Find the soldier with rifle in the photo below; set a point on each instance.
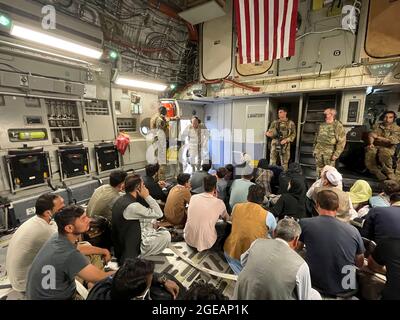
(283, 133)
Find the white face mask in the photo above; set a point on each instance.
(143, 296)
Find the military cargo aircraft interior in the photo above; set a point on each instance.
(199, 150)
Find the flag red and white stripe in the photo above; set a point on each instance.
(266, 29)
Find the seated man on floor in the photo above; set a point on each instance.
(133, 281)
(29, 239)
(320, 182)
(383, 222)
(222, 183)
(53, 271)
(178, 198)
(155, 188)
(103, 198)
(389, 187)
(134, 230)
(250, 221)
(204, 211)
(385, 259)
(197, 179)
(273, 270)
(240, 187)
(333, 248)
(331, 180)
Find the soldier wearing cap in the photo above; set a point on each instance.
(382, 141)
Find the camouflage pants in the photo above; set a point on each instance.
(323, 158)
(275, 154)
(96, 260)
(382, 168)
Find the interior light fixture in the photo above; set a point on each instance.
(29, 34)
(134, 83)
(5, 21)
(113, 55)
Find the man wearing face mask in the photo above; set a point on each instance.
(29, 239)
(329, 142)
(382, 142)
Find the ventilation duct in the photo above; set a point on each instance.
(201, 11)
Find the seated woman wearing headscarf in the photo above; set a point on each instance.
(294, 172)
(263, 176)
(359, 194)
(291, 203)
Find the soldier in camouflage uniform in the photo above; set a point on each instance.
(159, 124)
(382, 142)
(282, 132)
(329, 142)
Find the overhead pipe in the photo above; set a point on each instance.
(28, 95)
(167, 10)
(234, 83)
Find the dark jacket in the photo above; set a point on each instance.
(102, 289)
(154, 188)
(291, 203)
(126, 234)
(294, 173)
(382, 222)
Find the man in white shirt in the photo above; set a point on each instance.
(29, 239)
(273, 270)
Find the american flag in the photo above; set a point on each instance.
(266, 29)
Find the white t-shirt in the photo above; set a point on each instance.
(23, 247)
